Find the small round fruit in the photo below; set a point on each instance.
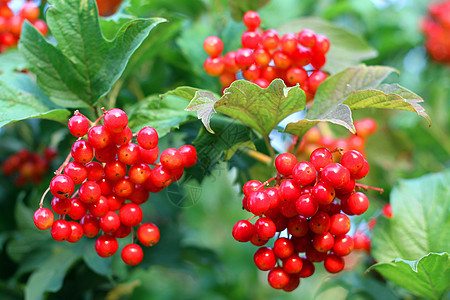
(43, 218)
(61, 230)
(62, 186)
(115, 120)
(132, 254)
(106, 245)
(243, 231)
(148, 234)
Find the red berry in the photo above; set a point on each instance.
(29, 11)
(90, 224)
(61, 230)
(171, 159)
(296, 75)
(289, 191)
(304, 173)
(244, 58)
(323, 242)
(320, 158)
(147, 138)
(95, 171)
(252, 186)
(189, 155)
(265, 228)
(294, 282)
(323, 193)
(76, 171)
(270, 39)
(320, 222)
(262, 57)
(106, 245)
(148, 234)
(43, 218)
(285, 162)
(214, 66)
(230, 62)
(90, 192)
(243, 231)
(130, 215)
(363, 172)
(265, 259)
(99, 208)
(62, 186)
(288, 43)
(281, 60)
(107, 154)
(122, 137)
(110, 222)
(278, 278)
(251, 20)
(160, 176)
(387, 211)
(99, 137)
(335, 175)
(250, 39)
(322, 44)
(361, 241)
(293, 264)
(283, 248)
(339, 224)
(307, 38)
(82, 152)
(115, 202)
(129, 154)
(358, 203)
(298, 226)
(213, 45)
(115, 170)
(122, 232)
(343, 245)
(258, 203)
(315, 79)
(353, 161)
(139, 173)
(61, 206)
(149, 156)
(132, 254)
(307, 269)
(78, 125)
(306, 206)
(77, 232)
(123, 187)
(333, 263)
(77, 209)
(116, 120)
(272, 194)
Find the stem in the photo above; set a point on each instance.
(41, 204)
(269, 147)
(112, 97)
(257, 155)
(297, 145)
(366, 187)
(98, 117)
(64, 164)
(251, 218)
(133, 237)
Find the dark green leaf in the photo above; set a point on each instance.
(420, 222)
(163, 115)
(16, 105)
(211, 147)
(428, 277)
(84, 65)
(346, 48)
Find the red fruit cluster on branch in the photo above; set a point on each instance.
(311, 200)
(11, 25)
(26, 166)
(315, 138)
(294, 57)
(106, 194)
(436, 27)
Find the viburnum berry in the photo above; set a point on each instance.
(43, 218)
(265, 259)
(129, 154)
(320, 222)
(333, 263)
(343, 245)
(304, 173)
(258, 203)
(148, 234)
(278, 278)
(121, 232)
(339, 224)
(213, 45)
(214, 66)
(99, 208)
(283, 248)
(353, 161)
(335, 175)
(320, 158)
(149, 156)
(387, 211)
(115, 120)
(132, 254)
(61, 230)
(306, 206)
(323, 242)
(77, 232)
(293, 264)
(122, 137)
(307, 269)
(90, 192)
(110, 222)
(323, 193)
(243, 231)
(94, 171)
(78, 125)
(251, 20)
(289, 191)
(90, 224)
(130, 214)
(298, 226)
(171, 159)
(147, 138)
(61, 206)
(106, 245)
(77, 209)
(358, 203)
(82, 152)
(62, 186)
(265, 228)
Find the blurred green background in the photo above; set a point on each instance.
(197, 257)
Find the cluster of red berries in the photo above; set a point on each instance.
(436, 27)
(314, 138)
(26, 166)
(112, 188)
(304, 201)
(11, 24)
(294, 57)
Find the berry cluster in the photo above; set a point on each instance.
(304, 201)
(111, 189)
(26, 166)
(314, 138)
(436, 27)
(294, 57)
(11, 25)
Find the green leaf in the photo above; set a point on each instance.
(261, 109)
(12, 60)
(420, 222)
(50, 275)
(203, 103)
(346, 48)
(211, 148)
(239, 7)
(163, 115)
(429, 276)
(83, 66)
(356, 88)
(16, 105)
